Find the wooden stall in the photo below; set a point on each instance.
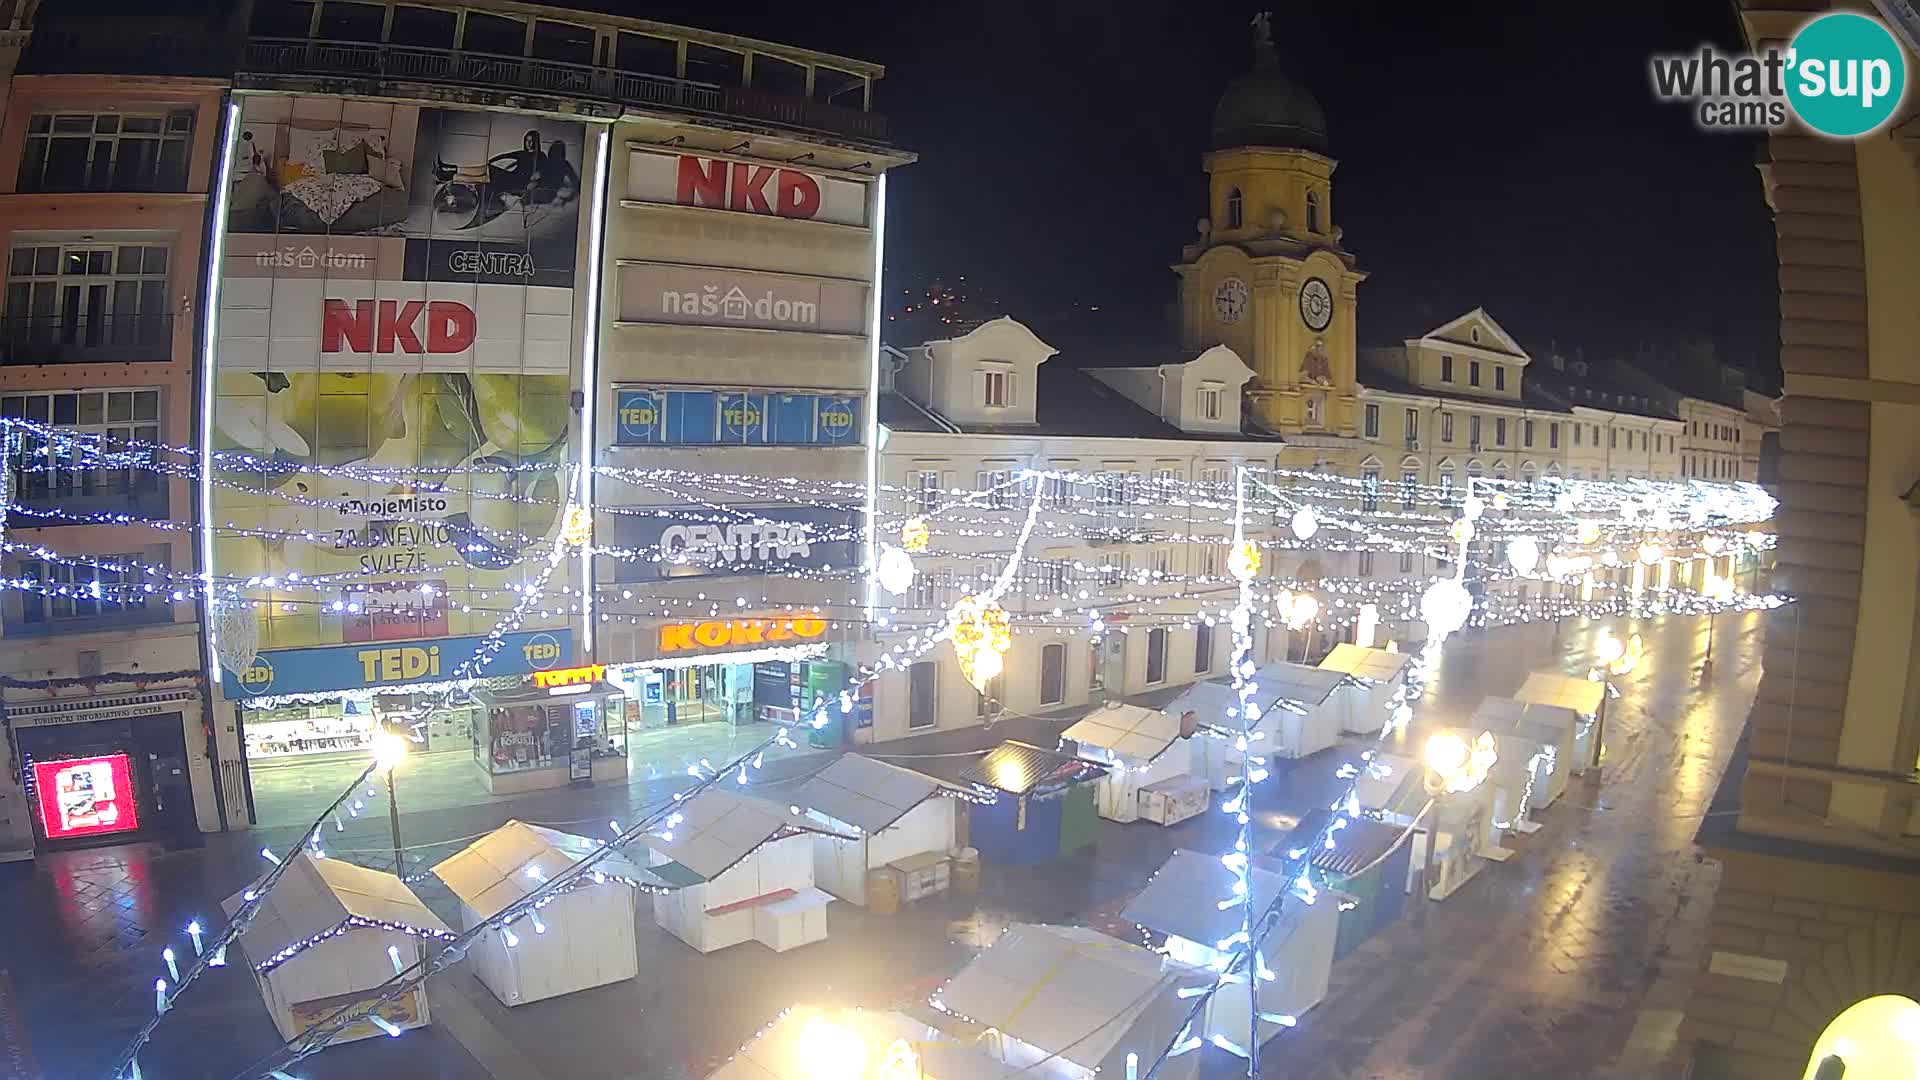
(1587, 698)
(1036, 804)
(1374, 678)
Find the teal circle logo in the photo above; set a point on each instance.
(1845, 74)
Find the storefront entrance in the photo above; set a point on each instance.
(108, 781)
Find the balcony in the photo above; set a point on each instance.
(85, 339)
(273, 57)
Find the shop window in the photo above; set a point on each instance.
(522, 737)
(1053, 674)
(643, 54)
(721, 67)
(52, 475)
(422, 27)
(1203, 649)
(922, 703)
(495, 34)
(115, 151)
(1156, 656)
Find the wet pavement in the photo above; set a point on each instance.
(1571, 959)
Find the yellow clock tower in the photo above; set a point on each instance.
(1267, 275)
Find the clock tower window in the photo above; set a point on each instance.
(1313, 211)
(1236, 209)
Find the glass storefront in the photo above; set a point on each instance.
(717, 693)
(345, 728)
(580, 734)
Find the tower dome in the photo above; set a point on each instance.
(1265, 108)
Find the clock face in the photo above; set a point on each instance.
(1316, 304)
(1230, 300)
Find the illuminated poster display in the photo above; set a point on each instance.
(90, 796)
(397, 294)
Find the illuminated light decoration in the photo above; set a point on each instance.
(209, 340)
(160, 1003)
(576, 529)
(1461, 531)
(194, 931)
(589, 377)
(1500, 500)
(1619, 657)
(981, 637)
(1304, 524)
(173, 968)
(1650, 553)
(1300, 610)
(1523, 554)
(914, 534)
(389, 749)
(1718, 588)
(1586, 531)
(1444, 607)
(1454, 766)
(828, 1051)
(1877, 1038)
(1565, 499)
(871, 496)
(1244, 561)
(895, 571)
(1367, 625)
(1472, 507)
(1713, 543)
(392, 1029)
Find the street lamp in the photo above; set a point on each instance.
(389, 750)
(1719, 590)
(1453, 765)
(1616, 658)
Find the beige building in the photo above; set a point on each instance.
(1815, 825)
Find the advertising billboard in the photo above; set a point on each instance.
(704, 417)
(90, 796)
(708, 296)
(763, 540)
(745, 187)
(397, 335)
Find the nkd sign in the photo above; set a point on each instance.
(745, 187)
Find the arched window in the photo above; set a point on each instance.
(1527, 473)
(1236, 208)
(1313, 211)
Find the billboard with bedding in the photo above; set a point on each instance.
(397, 337)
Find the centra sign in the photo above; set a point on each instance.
(732, 633)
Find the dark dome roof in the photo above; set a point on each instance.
(1265, 108)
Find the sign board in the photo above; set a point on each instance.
(707, 296)
(361, 667)
(573, 676)
(91, 796)
(648, 416)
(770, 539)
(744, 187)
(739, 633)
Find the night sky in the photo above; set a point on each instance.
(1506, 155)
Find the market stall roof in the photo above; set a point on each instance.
(1128, 730)
(718, 828)
(1284, 680)
(318, 896)
(1390, 783)
(788, 1048)
(1576, 692)
(1374, 665)
(1077, 994)
(1207, 701)
(1358, 844)
(1526, 719)
(1018, 768)
(502, 867)
(1183, 897)
(867, 794)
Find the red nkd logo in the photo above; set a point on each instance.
(739, 186)
(385, 326)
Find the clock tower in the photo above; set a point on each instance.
(1267, 275)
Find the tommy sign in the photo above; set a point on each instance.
(697, 296)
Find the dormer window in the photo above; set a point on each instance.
(1236, 209)
(1207, 401)
(996, 388)
(1313, 211)
(1473, 334)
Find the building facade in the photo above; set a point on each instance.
(106, 162)
(1814, 825)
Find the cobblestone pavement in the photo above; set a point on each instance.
(1569, 960)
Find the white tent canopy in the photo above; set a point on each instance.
(1079, 996)
(1392, 785)
(865, 1045)
(1546, 728)
(1586, 697)
(511, 862)
(868, 794)
(1365, 701)
(1183, 897)
(316, 897)
(896, 813)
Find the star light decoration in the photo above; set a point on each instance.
(1244, 562)
(1454, 766)
(981, 637)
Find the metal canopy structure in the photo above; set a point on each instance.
(788, 1049)
(1581, 694)
(315, 897)
(1019, 768)
(1129, 731)
(506, 865)
(1373, 665)
(719, 828)
(1284, 680)
(1183, 897)
(1077, 994)
(870, 795)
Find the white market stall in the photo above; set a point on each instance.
(1587, 698)
(808, 1043)
(1182, 901)
(1375, 676)
(1070, 1003)
(1150, 752)
(1393, 788)
(327, 936)
(742, 870)
(582, 937)
(1297, 708)
(893, 814)
(1549, 730)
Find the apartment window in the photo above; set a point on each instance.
(1406, 562)
(80, 580)
(1446, 482)
(1413, 426)
(106, 152)
(1499, 377)
(1161, 560)
(1373, 421)
(1526, 432)
(1553, 437)
(1236, 209)
(1446, 427)
(926, 491)
(988, 702)
(1207, 556)
(1055, 493)
(87, 297)
(1167, 484)
(1613, 438)
(1202, 649)
(1577, 429)
(1313, 211)
(1156, 655)
(1499, 431)
(1208, 401)
(1366, 562)
(1473, 373)
(1370, 489)
(1596, 435)
(1409, 486)
(996, 389)
(1473, 430)
(998, 485)
(1446, 369)
(1213, 475)
(1056, 577)
(1053, 674)
(43, 472)
(923, 680)
(1113, 568)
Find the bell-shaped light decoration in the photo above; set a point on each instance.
(1445, 607)
(982, 634)
(1304, 524)
(1523, 554)
(1244, 561)
(895, 572)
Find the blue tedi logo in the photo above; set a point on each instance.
(1843, 75)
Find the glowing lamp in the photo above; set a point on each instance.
(982, 635)
(1304, 524)
(389, 749)
(1461, 530)
(1650, 553)
(1473, 506)
(1300, 610)
(1454, 765)
(1713, 543)
(1874, 1039)
(1445, 606)
(1244, 562)
(828, 1051)
(1366, 625)
(1523, 554)
(1718, 589)
(1587, 531)
(576, 527)
(895, 571)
